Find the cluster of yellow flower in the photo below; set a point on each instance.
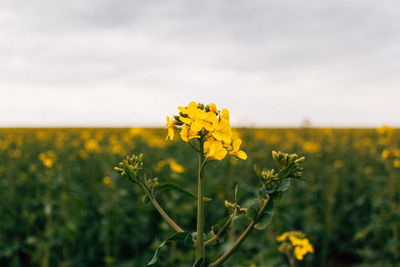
(47, 158)
(301, 244)
(210, 125)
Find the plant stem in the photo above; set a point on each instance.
(161, 211)
(200, 205)
(217, 235)
(242, 237)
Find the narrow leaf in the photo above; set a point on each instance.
(179, 237)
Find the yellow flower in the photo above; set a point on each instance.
(214, 150)
(187, 134)
(282, 237)
(107, 180)
(385, 154)
(222, 131)
(175, 167)
(47, 158)
(170, 128)
(300, 243)
(236, 150)
(396, 163)
(92, 145)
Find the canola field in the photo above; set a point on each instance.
(62, 204)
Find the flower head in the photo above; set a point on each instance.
(297, 240)
(209, 125)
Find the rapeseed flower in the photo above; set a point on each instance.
(209, 125)
(300, 244)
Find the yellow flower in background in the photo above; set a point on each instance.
(311, 147)
(385, 130)
(92, 145)
(173, 165)
(300, 244)
(107, 180)
(396, 163)
(236, 150)
(47, 158)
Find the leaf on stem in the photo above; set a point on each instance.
(179, 237)
(266, 217)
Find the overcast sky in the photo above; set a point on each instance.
(131, 63)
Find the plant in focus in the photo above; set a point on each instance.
(207, 130)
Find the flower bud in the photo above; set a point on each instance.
(275, 155)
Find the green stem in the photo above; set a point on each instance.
(241, 238)
(161, 211)
(200, 205)
(219, 233)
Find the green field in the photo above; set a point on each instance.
(62, 204)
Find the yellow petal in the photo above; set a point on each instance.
(192, 105)
(185, 120)
(184, 133)
(183, 110)
(196, 126)
(236, 144)
(242, 155)
(225, 114)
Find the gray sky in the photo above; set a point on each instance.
(271, 63)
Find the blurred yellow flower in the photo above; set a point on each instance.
(173, 165)
(300, 243)
(47, 158)
(385, 130)
(92, 145)
(107, 180)
(396, 163)
(311, 147)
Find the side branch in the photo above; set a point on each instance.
(241, 238)
(161, 211)
(219, 233)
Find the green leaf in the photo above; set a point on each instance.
(284, 185)
(218, 226)
(199, 263)
(266, 218)
(170, 186)
(179, 237)
(253, 210)
(189, 240)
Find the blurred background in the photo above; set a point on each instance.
(85, 83)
